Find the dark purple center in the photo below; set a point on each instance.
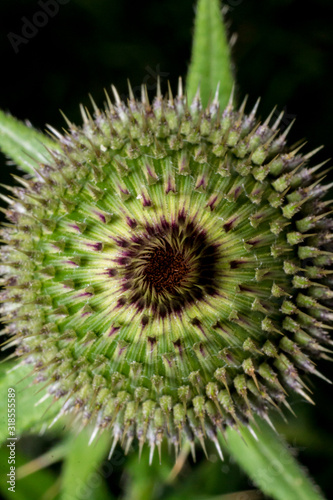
(168, 266)
(166, 269)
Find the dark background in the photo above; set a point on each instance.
(284, 53)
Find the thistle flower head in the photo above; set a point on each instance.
(167, 272)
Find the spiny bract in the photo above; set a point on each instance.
(167, 272)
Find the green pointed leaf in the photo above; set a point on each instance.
(84, 471)
(32, 486)
(271, 465)
(28, 417)
(23, 144)
(210, 63)
(145, 478)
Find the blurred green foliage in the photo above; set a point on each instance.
(283, 54)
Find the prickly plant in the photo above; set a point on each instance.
(167, 271)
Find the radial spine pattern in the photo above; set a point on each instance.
(167, 273)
